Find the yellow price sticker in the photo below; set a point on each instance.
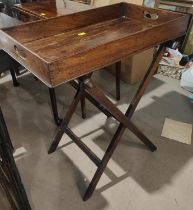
(81, 34)
(42, 14)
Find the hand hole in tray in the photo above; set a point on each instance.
(149, 15)
(18, 53)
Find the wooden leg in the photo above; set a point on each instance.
(81, 145)
(97, 95)
(65, 121)
(117, 137)
(98, 105)
(54, 106)
(14, 79)
(118, 79)
(142, 137)
(87, 89)
(57, 119)
(91, 99)
(145, 81)
(83, 107)
(111, 148)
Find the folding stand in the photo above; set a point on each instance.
(52, 94)
(86, 88)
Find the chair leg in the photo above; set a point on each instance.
(14, 79)
(118, 79)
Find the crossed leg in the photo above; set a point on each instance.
(96, 96)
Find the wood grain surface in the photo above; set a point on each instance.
(60, 49)
(49, 8)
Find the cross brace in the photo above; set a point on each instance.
(86, 88)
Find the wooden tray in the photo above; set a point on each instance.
(60, 49)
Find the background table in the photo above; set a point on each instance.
(47, 9)
(6, 62)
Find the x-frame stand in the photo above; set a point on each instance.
(53, 100)
(86, 88)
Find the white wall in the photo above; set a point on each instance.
(107, 2)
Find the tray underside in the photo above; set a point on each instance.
(63, 48)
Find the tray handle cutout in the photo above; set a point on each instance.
(18, 53)
(150, 16)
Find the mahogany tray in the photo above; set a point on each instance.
(60, 49)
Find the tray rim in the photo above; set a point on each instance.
(22, 44)
(55, 60)
(48, 64)
(96, 8)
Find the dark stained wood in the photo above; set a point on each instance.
(82, 146)
(120, 131)
(68, 47)
(58, 54)
(54, 106)
(83, 108)
(118, 79)
(87, 88)
(48, 9)
(66, 120)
